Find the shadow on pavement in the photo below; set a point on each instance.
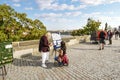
(26, 62)
(32, 61)
(83, 49)
(118, 51)
(89, 43)
(111, 46)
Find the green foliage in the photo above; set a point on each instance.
(15, 26)
(1, 20)
(91, 26)
(77, 32)
(15, 38)
(3, 37)
(35, 33)
(74, 33)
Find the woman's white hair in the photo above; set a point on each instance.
(48, 34)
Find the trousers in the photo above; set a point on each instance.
(45, 56)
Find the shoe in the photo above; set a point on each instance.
(66, 64)
(60, 64)
(102, 48)
(44, 66)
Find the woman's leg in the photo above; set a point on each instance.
(47, 58)
(44, 56)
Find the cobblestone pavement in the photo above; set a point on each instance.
(86, 62)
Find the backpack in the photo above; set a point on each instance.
(102, 34)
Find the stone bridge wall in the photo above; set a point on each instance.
(31, 47)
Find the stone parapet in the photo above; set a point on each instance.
(31, 47)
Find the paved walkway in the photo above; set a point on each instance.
(86, 63)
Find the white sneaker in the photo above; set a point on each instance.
(43, 65)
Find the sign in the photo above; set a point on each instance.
(56, 40)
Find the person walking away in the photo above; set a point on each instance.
(102, 36)
(110, 34)
(44, 48)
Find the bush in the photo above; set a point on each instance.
(3, 37)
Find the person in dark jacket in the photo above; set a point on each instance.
(116, 34)
(110, 34)
(44, 48)
(102, 36)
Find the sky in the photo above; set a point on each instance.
(68, 14)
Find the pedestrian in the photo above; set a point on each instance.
(44, 48)
(102, 36)
(116, 34)
(119, 34)
(110, 34)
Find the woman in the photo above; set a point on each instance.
(62, 57)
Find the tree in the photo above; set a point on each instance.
(78, 32)
(13, 25)
(38, 24)
(3, 36)
(1, 20)
(91, 26)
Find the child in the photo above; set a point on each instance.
(62, 58)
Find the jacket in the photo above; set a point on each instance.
(43, 44)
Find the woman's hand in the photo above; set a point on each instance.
(50, 44)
